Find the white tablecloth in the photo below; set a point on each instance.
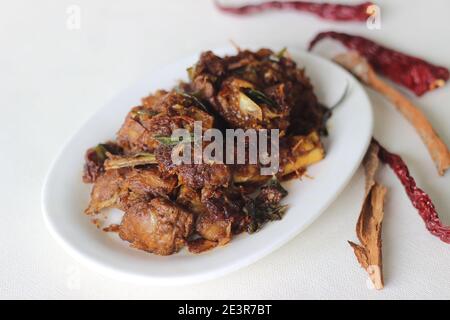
(54, 77)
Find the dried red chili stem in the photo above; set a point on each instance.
(419, 198)
(328, 11)
(411, 72)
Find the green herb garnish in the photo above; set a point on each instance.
(261, 209)
(138, 159)
(172, 140)
(196, 100)
(259, 97)
(277, 56)
(100, 151)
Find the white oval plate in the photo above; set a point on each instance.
(64, 196)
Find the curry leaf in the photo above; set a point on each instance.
(196, 100)
(259, 97)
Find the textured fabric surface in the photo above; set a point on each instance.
(54, 78)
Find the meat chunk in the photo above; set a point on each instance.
(152, 102)
(201, 245)
(132, 136)
(213, 228)
(198, 176)
(222, 202)
(106, 191)
(244, 106)
(158, 226)
(195, 176)
(225, 215)
(191, 199)
(150, 181)
(123, 187)
(160, 116)
(258, 90)
(308, 115)
(142, 128)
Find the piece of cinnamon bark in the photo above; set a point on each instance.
(438, 150)
(369, 225)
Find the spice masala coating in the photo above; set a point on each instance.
(168, 206)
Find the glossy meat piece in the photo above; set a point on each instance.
(198, 176)
(225, 215)
(195, 176)
(132, 136)
(201, 245)
(152, 102)
(212, 228)
(106, 191)
(217, 215)
(160, 116)
(150, 181)
(121, 188)
(241, 106)
(237, 85)
(191, 199)
(167, 101)
(158, 226)
(222, 202)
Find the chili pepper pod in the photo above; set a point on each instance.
(419, 198)
(328, 11)
(411, 72)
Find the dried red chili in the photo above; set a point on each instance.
(420, 200)
(328, 11)
(414, 73)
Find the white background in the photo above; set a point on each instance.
(52, 79)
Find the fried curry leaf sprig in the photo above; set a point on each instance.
(196, 100)
(259, 97)
(266, 206)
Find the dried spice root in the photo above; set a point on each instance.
(438, 150)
